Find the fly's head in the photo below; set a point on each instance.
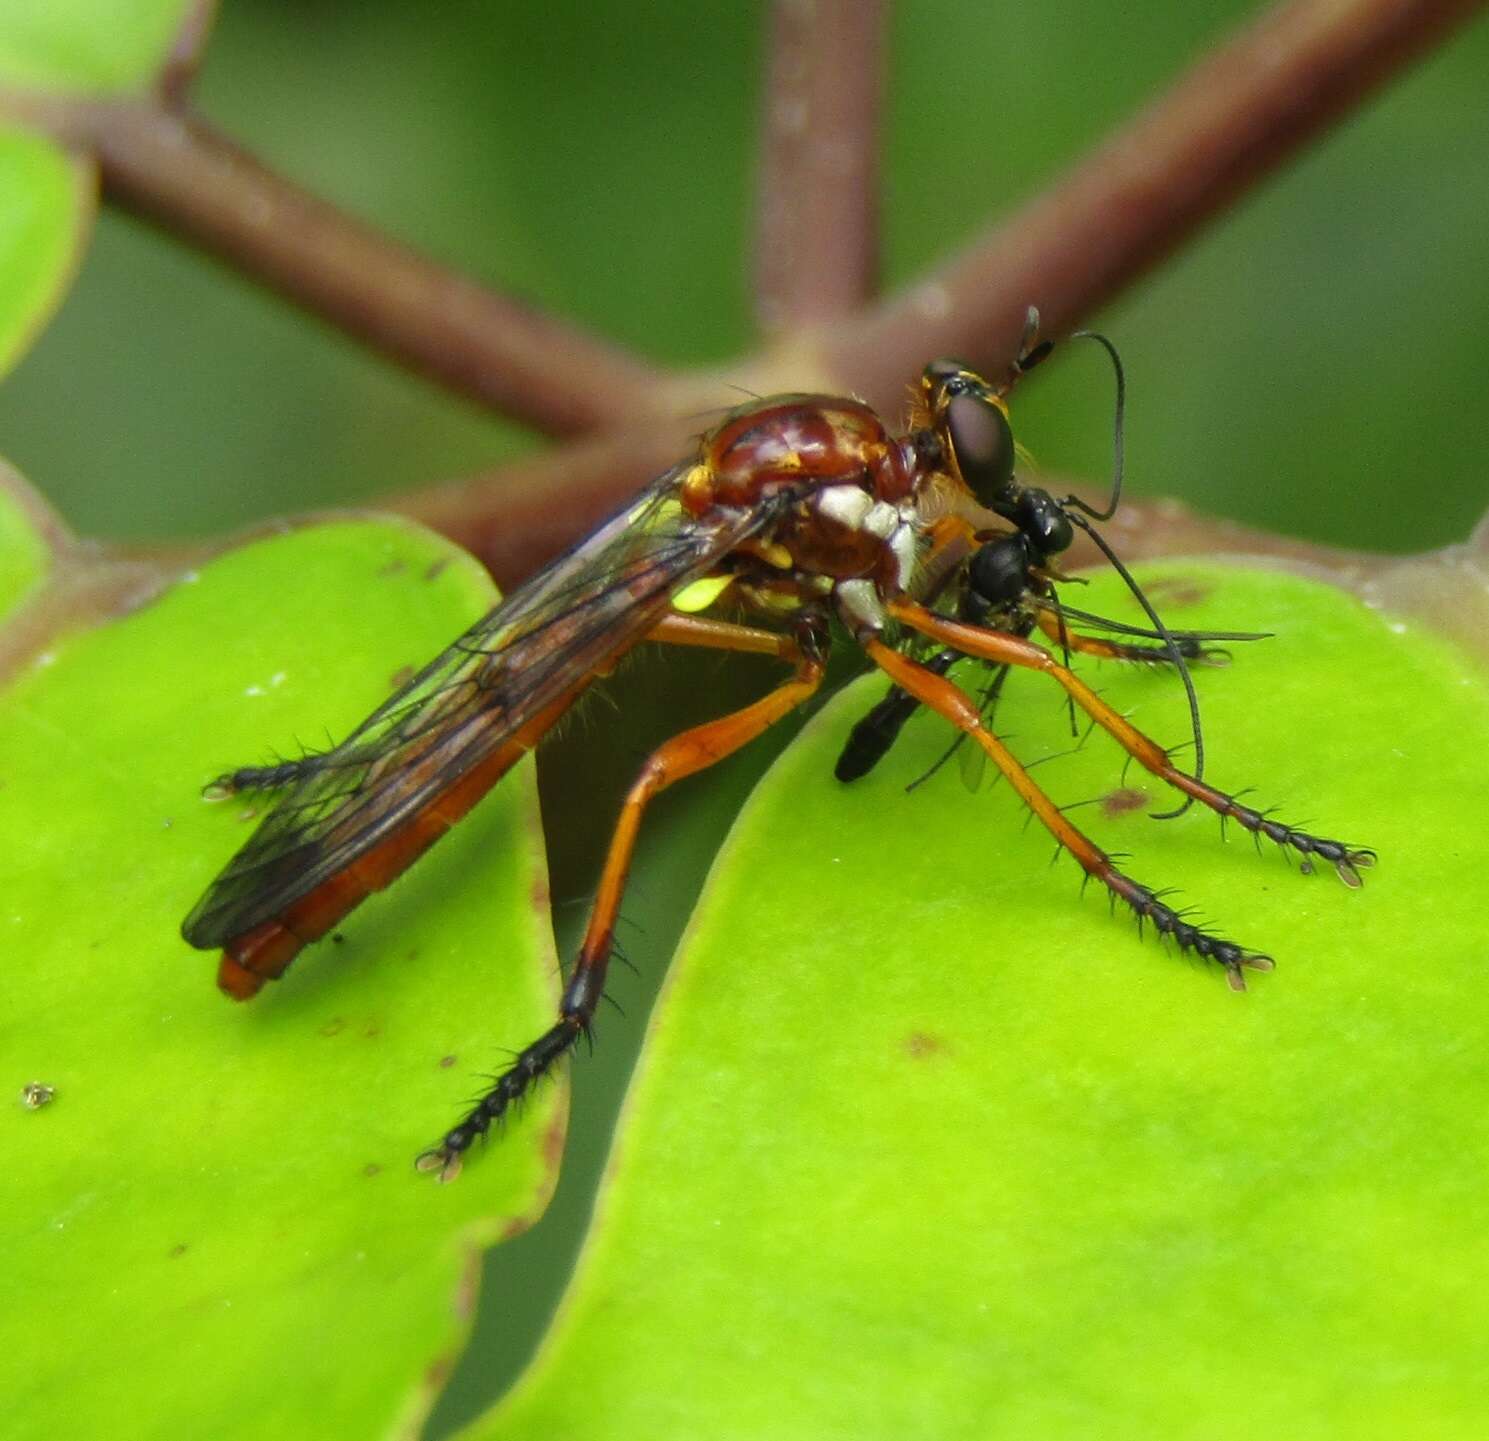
(969, 417)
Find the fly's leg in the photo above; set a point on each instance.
(870, 739)
(951, 702)
(685, 754)
(1004, 649)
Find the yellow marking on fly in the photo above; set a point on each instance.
(697, 488)
(700, 594)
(772, 552)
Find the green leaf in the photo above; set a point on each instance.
(25, 544)
(926, 1143)
(215, 1227)
(46, 211)
(90, 46)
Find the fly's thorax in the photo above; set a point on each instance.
(803, 442)
(844, 533)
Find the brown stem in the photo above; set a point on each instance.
(1233, 118)
(185, 56)
(512, 519)
(173, 170)
(817, 247)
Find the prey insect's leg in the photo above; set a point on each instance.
(961, 710)
(1103, 649)
(1007, 649)
(871, 737)
(691, 751)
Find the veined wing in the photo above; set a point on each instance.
(536, 646)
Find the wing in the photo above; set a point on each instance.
(542, 641)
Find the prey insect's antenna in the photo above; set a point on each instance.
(1117, 432)
(1174, 652)
(1077, 511)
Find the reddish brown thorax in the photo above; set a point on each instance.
(790, 438)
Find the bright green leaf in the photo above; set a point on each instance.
(25, 548)
(926, 1143)
(215, 1227)
(93, 46)
(46, 208)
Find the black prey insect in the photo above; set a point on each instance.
(794, 511)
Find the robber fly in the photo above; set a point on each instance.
(795, 510)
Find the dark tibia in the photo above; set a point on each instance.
(1348, 861)
(263, 778)
(531, 1065)
(1147, 906)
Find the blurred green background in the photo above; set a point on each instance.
(1313, 364)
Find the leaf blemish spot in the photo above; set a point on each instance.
(920, 1044)
(1178, 590)
(1122, 801)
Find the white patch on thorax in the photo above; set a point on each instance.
(858, 604)
(902, 543)
(846, 504)
(882, 519)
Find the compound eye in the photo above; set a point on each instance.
(981, 442)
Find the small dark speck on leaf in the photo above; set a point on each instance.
(337, 939)
(179, 1249)
(553, 1143)
(372, 1030)
(1122, 800)
(437, 568)
(1177, 590)
(468, 1292)
(393, 567)
(334, 1026)
(445, 1062)
(371, 1169)
(401, 677)
(36, 1094)
(920, 1044)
